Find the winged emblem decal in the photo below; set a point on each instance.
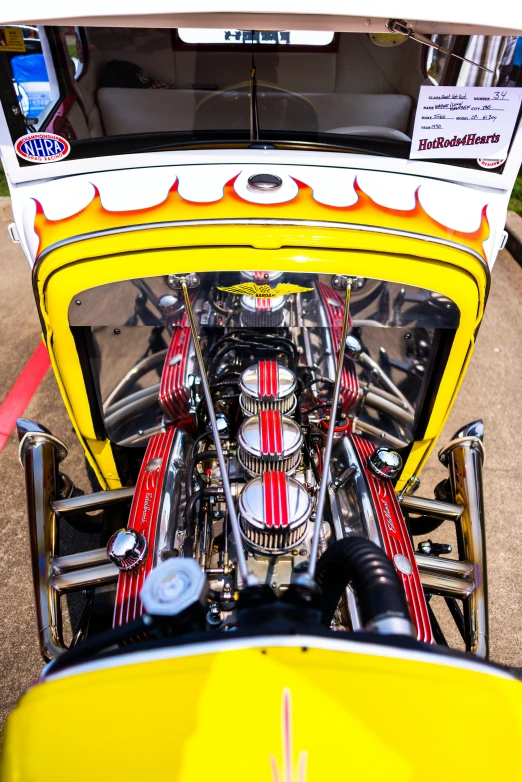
(264, 291)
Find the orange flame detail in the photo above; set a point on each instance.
(365, 211)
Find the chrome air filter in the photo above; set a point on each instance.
(267, 386)
(262, 313)
(262, 278)
(269, 441)
(274, 511)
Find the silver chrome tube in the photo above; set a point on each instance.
(127, 400)
(435, 508)
(246, 577)
(40, 461)
(464, 457)
(325, 478)
(381, 403)
(448, 586)
(368, 362)
(442, 566)
(127, 410)
(385, 395)
(86, 578)
(134, 374)
(84, 559)
(375, 431)
(88, 502)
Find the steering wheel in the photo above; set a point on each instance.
(278, 109)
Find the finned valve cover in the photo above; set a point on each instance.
(270, 441)
(274, 509)
(267, 385)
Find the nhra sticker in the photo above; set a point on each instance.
(42, 147)
(264, 291)
(491, 162)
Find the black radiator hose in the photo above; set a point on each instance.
(358, 562)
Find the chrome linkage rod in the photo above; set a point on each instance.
(192, 281)
(339, 282)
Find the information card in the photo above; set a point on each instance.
(458, 122)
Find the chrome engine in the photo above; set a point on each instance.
(274, 434)
(271, 373)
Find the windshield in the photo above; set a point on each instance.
(111, 91)
(134, 342)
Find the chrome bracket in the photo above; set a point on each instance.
(340, 282)
(175, 281)
(31, 439)
(411, 485)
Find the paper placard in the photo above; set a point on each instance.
(459, 122)
(11, 39)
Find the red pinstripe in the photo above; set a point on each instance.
(271, 430)
(275, 499)
(268, 379)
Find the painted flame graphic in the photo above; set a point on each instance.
(286, 774)
(365, 211)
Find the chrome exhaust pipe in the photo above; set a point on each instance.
(40, 454)
(464, 457)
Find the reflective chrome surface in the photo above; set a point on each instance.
(435, 508)
(448, 586)
(256, 460)
(385, 463)
(254, 515)
(264, 182)
(440, 566)
(127, 549)
(261, 276)
(246, 577)
(84, 559)
(171, 533)
(40, 461)
(325, 479)
(86, 578)
(251, 400)
(464, 456)
(88, 502)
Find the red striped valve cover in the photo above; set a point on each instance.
(144, 514)
(334, 303)
(396, 539)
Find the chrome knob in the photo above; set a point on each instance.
(264, 182)
(385, 463)
(353, 347)
(127, 548)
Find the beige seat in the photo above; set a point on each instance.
(144, 111)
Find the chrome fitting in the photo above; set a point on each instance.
(385, 463)
(127, 549)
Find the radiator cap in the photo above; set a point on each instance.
(173, 586)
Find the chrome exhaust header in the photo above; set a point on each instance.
(464, 457)
(40, 454)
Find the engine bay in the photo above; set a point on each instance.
(269, 344)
